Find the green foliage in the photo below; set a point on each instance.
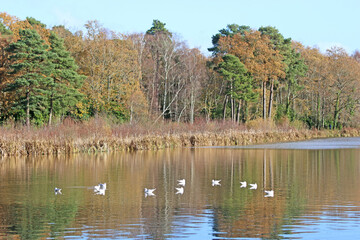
(158, 27)
(29, 62)
(65, 81)
(230, 30)
(240, 83)
(4, 30)
(34, 22)
(45, 82)
(295, 67)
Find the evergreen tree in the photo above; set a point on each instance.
(34, 22)
(230, 30)
(4, 30)
(65, 81)
(239, 82)
(295, 66)
(158, 27)
(28, 64)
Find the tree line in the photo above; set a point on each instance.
(49, 74)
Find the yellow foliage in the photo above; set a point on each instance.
(15, 24)
(112, 69)
(261, 124)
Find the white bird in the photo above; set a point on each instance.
(269, 193)
(253, 186)
(243, 184)
(180, 190)
(57, 191)
(149, 191)
(100, 186)
(215, 182)
(181, 182)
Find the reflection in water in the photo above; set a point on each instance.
(316, 194)
(215, 182)
(180, 190)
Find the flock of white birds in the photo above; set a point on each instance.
(214, 182)
(101, 188)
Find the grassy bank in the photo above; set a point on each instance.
(100, 136)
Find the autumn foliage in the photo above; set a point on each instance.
(154, 76)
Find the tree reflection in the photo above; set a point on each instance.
(305, 182)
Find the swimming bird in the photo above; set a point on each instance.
(269, 193)
(215, 182)
(57, 191)
(181, 182)
(149, 191)
(180, 190)
(100, 186)
(253, 186)
(243, 184)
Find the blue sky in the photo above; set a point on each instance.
(312, 22)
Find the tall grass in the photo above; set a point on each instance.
(101, 134)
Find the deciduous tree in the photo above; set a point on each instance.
(256, 52)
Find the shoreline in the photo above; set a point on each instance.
(54, 146)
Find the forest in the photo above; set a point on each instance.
(51, 74)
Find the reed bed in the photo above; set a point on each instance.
(98, 135)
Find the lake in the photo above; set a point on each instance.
(315, 184)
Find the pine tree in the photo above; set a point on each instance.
(239, 83)
(28, 64)
(65, 81)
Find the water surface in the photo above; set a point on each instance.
(316, 194)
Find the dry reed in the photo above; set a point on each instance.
(99, 135)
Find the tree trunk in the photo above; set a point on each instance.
(287, 108)
(336, 111)
(157, 83)
(318, 112)
(224, 110)
(51, 112)
(232, 103)
(245, 111)
(323, 112)
(28, 109)
(271, 97)
(232, 109)
(264, 99)
(238, 112)
(131, 113)
(192, 106)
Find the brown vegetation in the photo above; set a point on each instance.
(98, 135)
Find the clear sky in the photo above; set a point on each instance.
(321, 23)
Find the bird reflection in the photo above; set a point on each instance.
(180, 190)
(269, 193)
(100, 192)
(150, 194)
(243, 184)
(215, 182)
(253, 185)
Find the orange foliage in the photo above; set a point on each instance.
(15, 24)
(256, 52)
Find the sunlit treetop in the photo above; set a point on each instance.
(158, 27)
